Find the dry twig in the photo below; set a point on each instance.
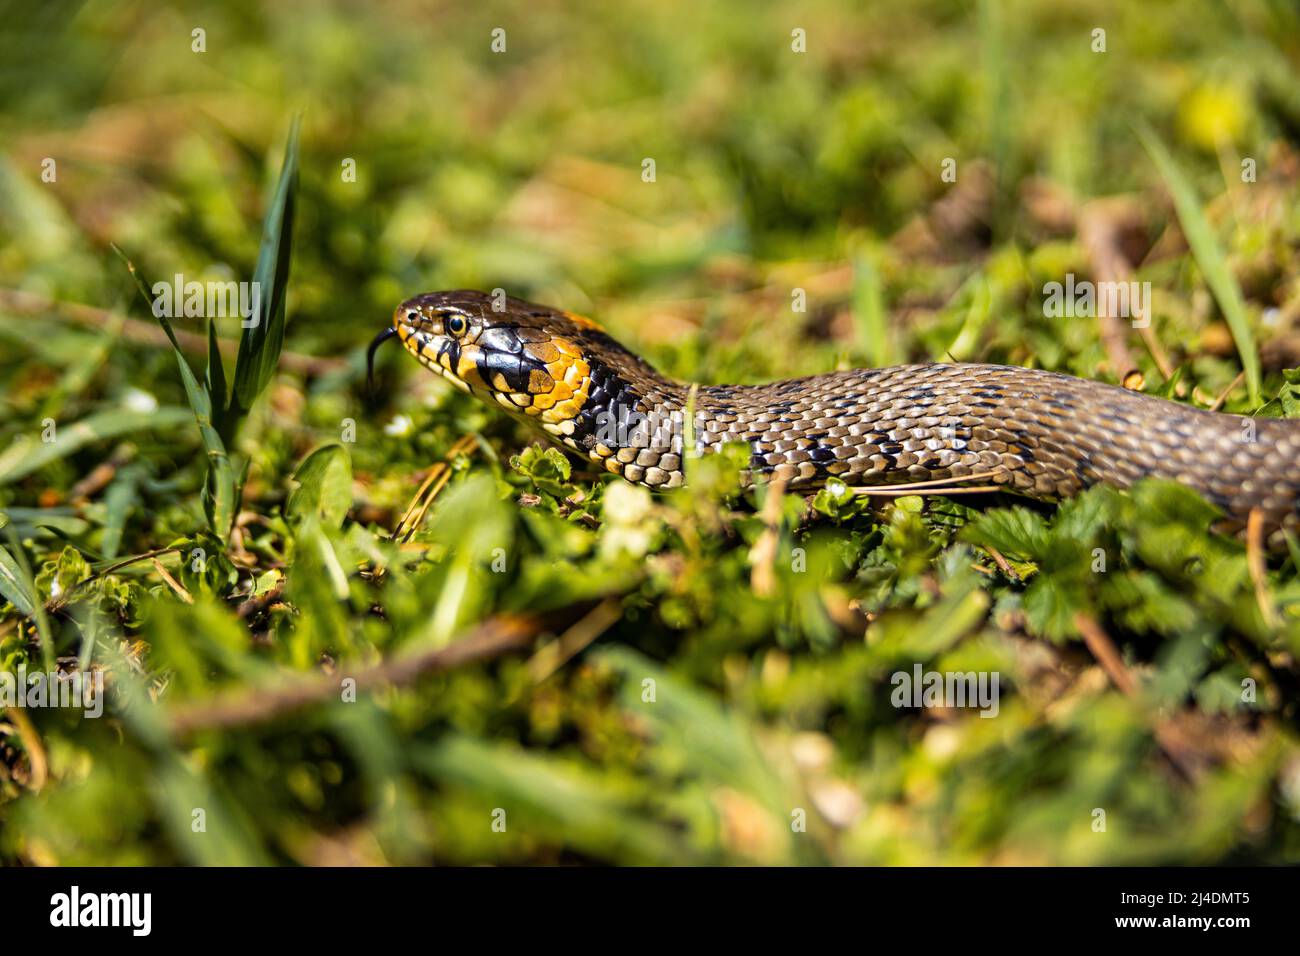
(494, 637)
(144, 333)
(1172, 741)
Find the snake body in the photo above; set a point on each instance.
(1042, 434)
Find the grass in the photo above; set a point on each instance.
(549, 666)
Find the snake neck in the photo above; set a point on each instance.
(633, 419)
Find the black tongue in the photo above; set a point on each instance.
(380, 339)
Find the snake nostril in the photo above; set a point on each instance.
(412, 316)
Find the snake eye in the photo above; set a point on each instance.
(455, 324)
(412, 316)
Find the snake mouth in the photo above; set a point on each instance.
(379, 340)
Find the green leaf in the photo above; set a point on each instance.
(1169, 388)
(548, 468)
(1016, 532)
(324, 485)
(1220, 692)
(1084, 517)
(1286, 404)
(835, 499)
(13, 585)
(903, 634)
(1208, 256)
(1161, 501)
(1142, 602)
(1050, 604)
(259, 346)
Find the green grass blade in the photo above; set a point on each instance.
(29, 452)
(194, 391)
(871, 329)
(219, 487)
(121, 498)
(579, 809)
(13, 585)
(17, 575)
(259, 346)
(215, 379)
(1209, 257)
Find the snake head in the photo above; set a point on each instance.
(441, 329)
(527, 358)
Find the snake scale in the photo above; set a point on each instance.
(1042, 434)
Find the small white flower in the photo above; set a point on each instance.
(627, 504)
(400, 425)
(140, 401)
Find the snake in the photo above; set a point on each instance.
(1037, 433)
